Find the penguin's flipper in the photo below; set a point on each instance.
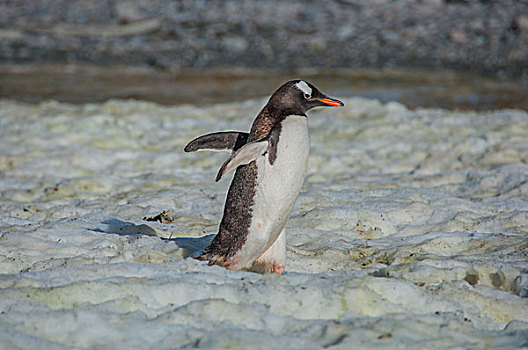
(229, 141)
(245, 155)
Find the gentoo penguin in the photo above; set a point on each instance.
(270, 163)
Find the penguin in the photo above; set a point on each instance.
(270, 164)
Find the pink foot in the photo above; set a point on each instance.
(265, 266)
(278, 269)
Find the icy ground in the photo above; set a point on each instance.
(411, 231)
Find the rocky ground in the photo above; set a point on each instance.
(484, 36)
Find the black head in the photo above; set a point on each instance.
(299, 96)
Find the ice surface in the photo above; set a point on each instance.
(411, 231)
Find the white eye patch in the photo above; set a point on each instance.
(304, 88)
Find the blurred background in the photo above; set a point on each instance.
(460, 54)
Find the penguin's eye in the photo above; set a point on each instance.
(307, 96)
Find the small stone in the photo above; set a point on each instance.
(11, 34)
(127, 12)
(477, 25)
(520, 285)
(458, 36)
(497, 279)
(522, 23)
(472, 278)
(235, 43)
(346, 32)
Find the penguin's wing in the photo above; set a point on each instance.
(229, 141)
(245, 155)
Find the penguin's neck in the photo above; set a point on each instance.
(268, 117)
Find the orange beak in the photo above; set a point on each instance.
(331, 102)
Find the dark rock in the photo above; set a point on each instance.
(520, 285)
(497, 279)
(472, 278)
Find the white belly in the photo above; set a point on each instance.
(278, 186)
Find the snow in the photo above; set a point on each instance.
(411, 231)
